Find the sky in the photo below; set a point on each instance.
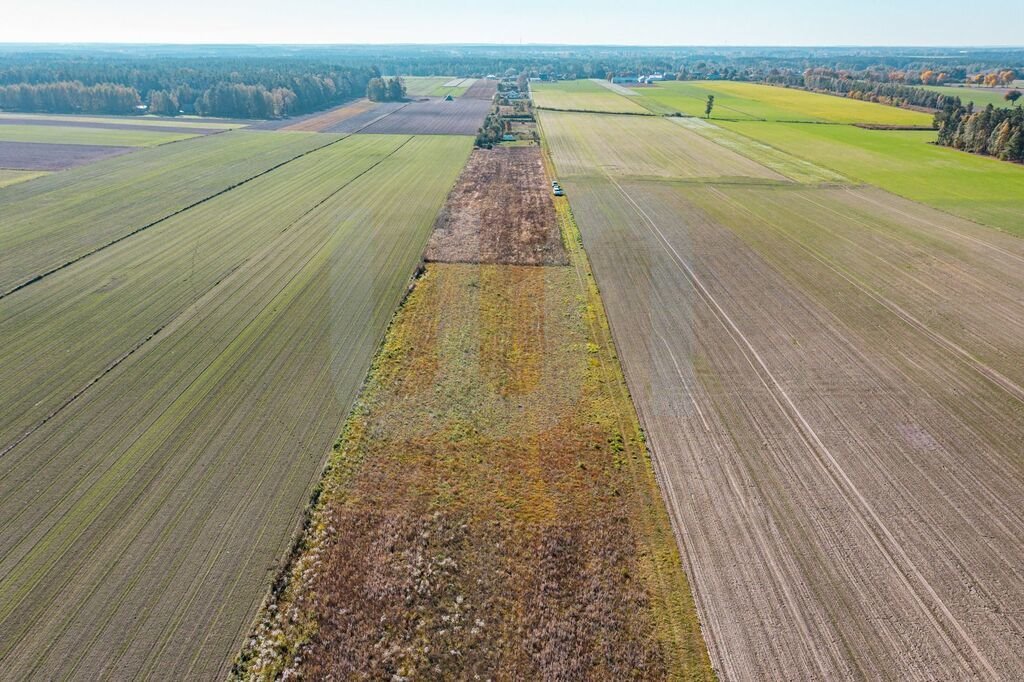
(657, 22)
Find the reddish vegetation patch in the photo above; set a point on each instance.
(52, 157)
(320, 122)
(482, 88)
(499, 212)
(354, 124)
(490, 511)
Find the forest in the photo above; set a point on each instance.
(247, 87)
(992, 131)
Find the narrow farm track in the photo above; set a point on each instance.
(830, 381)
(142, 523)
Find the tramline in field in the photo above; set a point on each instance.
(810, 360)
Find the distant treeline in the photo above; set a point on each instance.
(103, 98)
(241, 88)
(992, 131)
(270, 81)
(827, 80)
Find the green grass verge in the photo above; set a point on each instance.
(12, 177)
(142, 121)
(78, 135)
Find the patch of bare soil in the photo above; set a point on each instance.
(52, 157)
(499, 212)
(481, 89)
(432, 116)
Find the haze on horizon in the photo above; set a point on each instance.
(577, 22)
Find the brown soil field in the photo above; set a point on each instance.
(482, 88)
(500, 211)
(321, 122)
(490, 509)
(52, 157)
(434, 117)
(831, 381)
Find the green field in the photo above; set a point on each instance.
(582, 95)
(424, 86)
(141, 121)
(215, 357)
(53, 220)
(453, 86)
(80, 135)
(981, 97)
(12, 177)
(755, 102)
(981, 188)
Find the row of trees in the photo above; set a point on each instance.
(992, 79)
(895, 94)
(385, 90)
(992, 131)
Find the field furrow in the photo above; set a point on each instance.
(152, 510)
(140, 285)
(60, 218)
(831, 382)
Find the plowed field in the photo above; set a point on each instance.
(832, 381)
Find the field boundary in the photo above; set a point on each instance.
(591, 111)
(576, 249)
(286, 562)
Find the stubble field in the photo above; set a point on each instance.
(582, 95)
(830, 378)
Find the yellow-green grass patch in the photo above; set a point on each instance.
(12, 177)
(752, 101)
(96, 136)
(980, 188)
(582, 95)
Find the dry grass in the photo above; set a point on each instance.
(490, 509)
(500, 211)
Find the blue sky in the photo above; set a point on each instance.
(661, 22)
